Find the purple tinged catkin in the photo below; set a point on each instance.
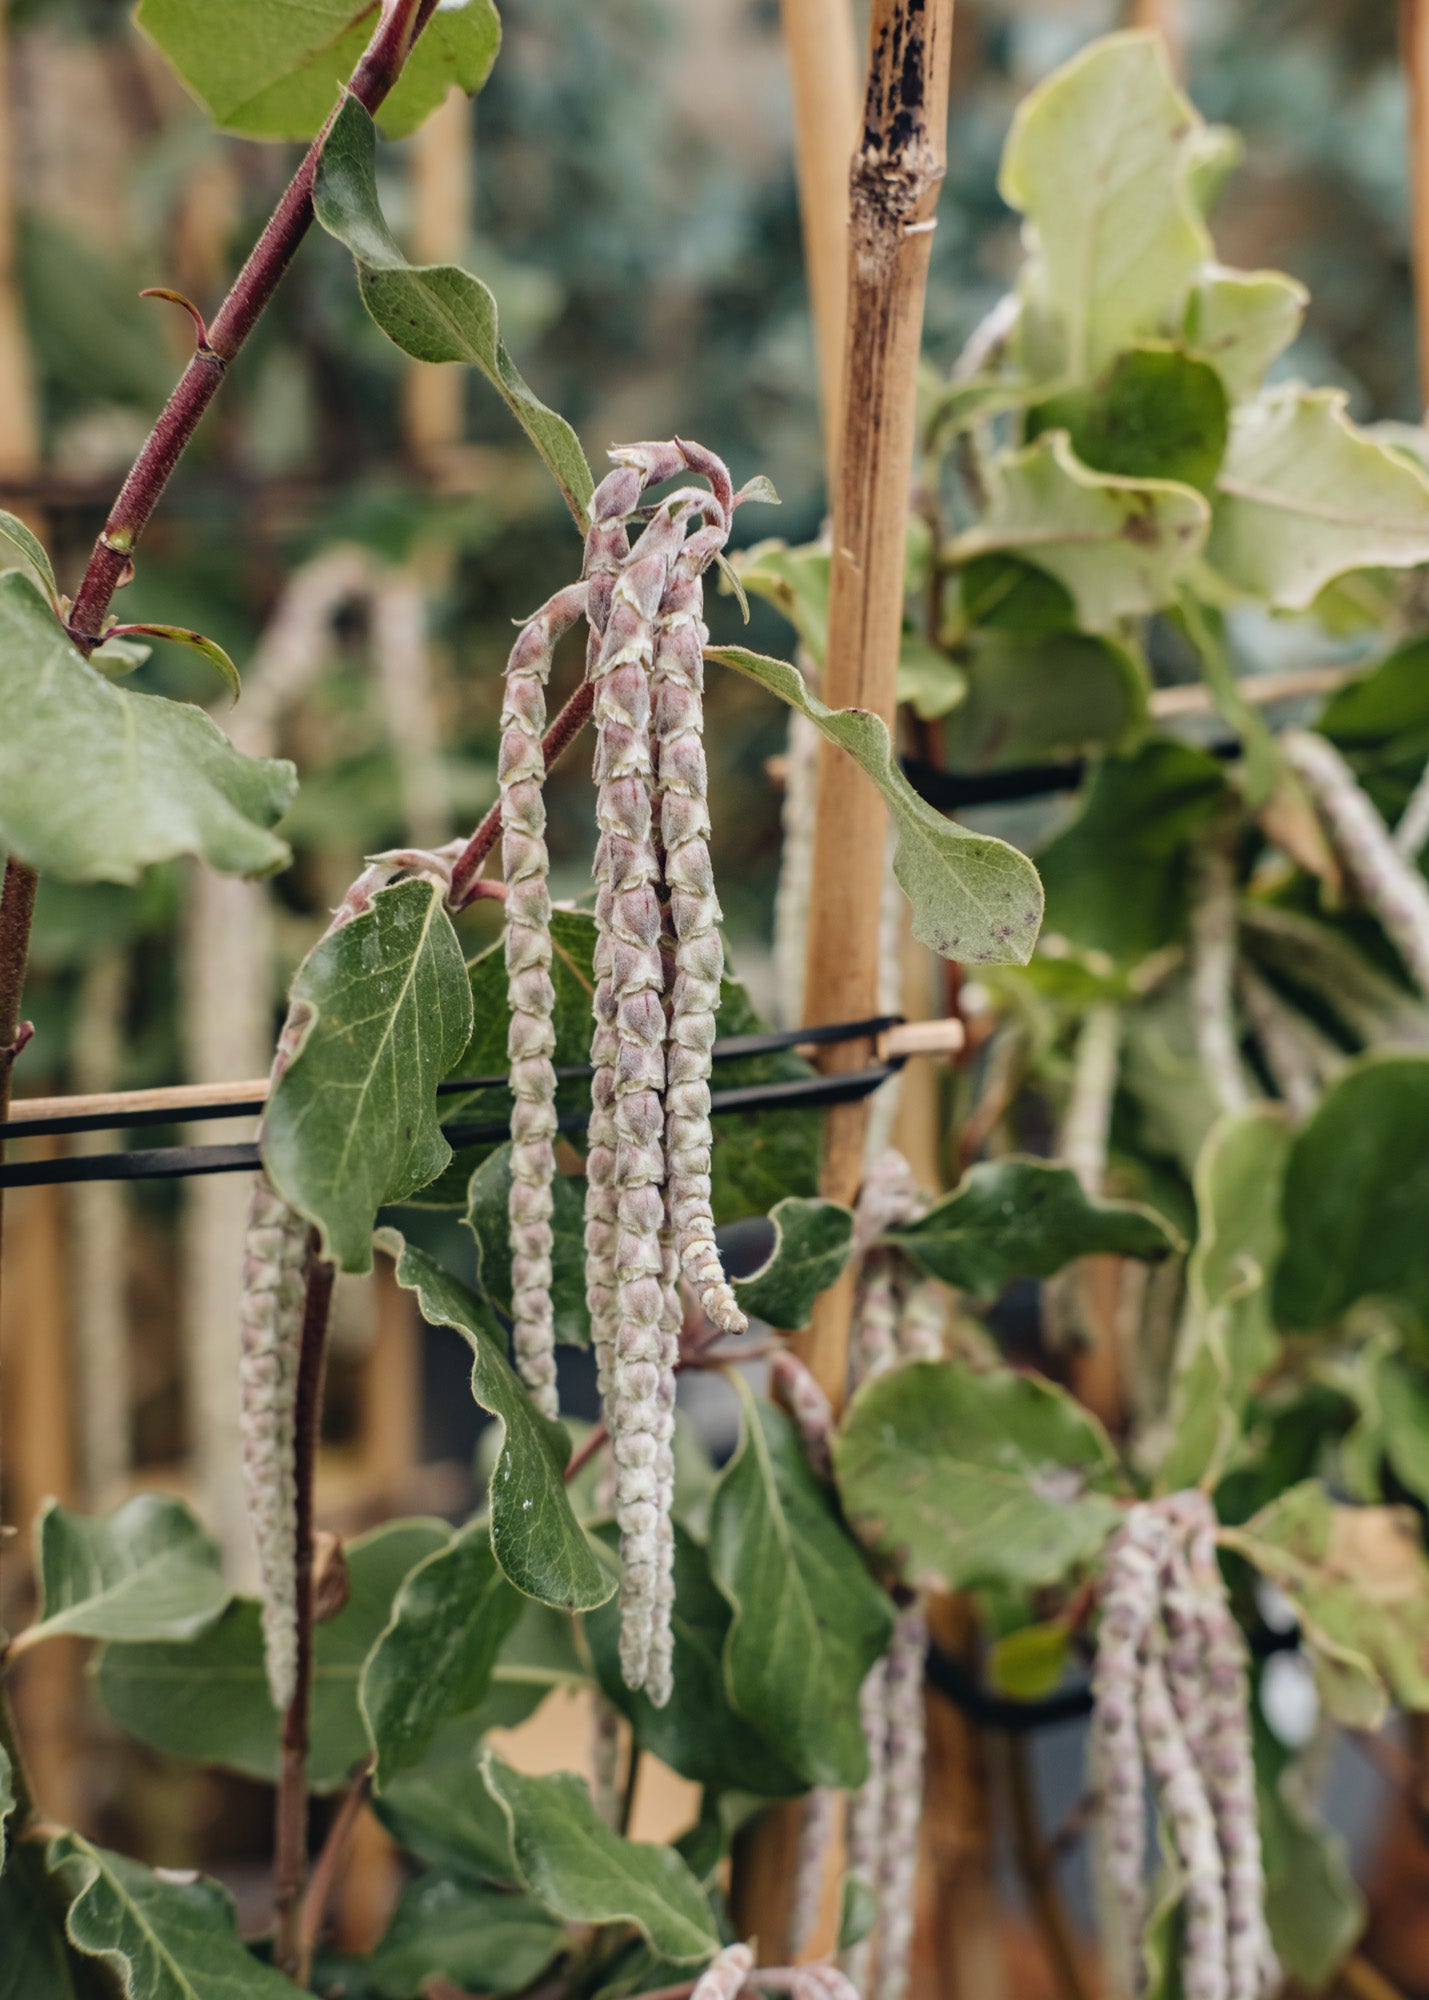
(902, 1799)
(809, 1409)
(874, 1339)
(725, 1976)
(815, 1834)
(1182, 1791)
(1212, 966)
(531, 1040)
(1392, 888)
(864, 1826)
(1128, 1608)
(275, 1256)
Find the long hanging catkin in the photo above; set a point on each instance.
(531, 1040)
(902, 1799)
(1213, 943)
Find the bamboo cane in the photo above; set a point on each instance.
(1414, 52)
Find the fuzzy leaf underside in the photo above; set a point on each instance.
(974, 898)
(433, 312)
(271, 70)
(536, 1538)
(97, 782)
(352, 1123)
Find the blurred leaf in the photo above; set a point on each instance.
(35, 1963)
(1241, 320)
(1097, 160)
(441, 1812)
(1312, 1903)
(931, 683)
(1156, 413)
(808, 1621)
(812, 1242)
(181, 635)
(488, 1221)
(435, 1659)
(537, 1539)
(207, 1699)
(974, 899)
(383, 1010)
(1404, 1413)
(1356, 1191)
(1029, 1664)
(484, 1939)
(96, 782)
(1228, 1333)
(697, 1733)
(1118, 545)
(31, 551)
(273, 71)
(858, 1912)
(584, 1873)
(165, 1939)
(1030, 701)
(1015, 1218)
(1359, 1582)
(1324, 962)
(964, 1479)
(433, 312)
(149, 1570)
(1392, 700)
(1304, 495)
(1116, 878)
(1005, 594)
(796, 582)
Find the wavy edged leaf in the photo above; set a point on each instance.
(697, 1733)
(433, 312)
(1118, 545)
(1228, 1332)
(967, 1480)
(96, 782)
(537, 1540)
(1035, 698)
(808, 1621)
(974, 898)
(482, 1939)
(487, 1219)
(1016, 1218)
(164, 1938)
(1356, 1190)
(271, 70)
(149, 1570)
(449, 1621)
(1155, 413)
(32, 552)
(1305, 495)
(1099, 161)
(812, 1242)
(583, 1872)
(207, 1700)
(1241, 320)
(385, 1010)
(1359, 1582)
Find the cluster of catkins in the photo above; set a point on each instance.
(1171, 1701)
(659, 962)
(897, 1317)
(734, 1972)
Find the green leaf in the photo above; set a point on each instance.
(1343, 984)
(808, 1621)
(1156, 413)
(537, 1539)
(146, 1571)
(1304, 495)
(488, 1221)
(996, 1479)
(796, 582)
(383, 1009)
(1005, 594)
(1356, 1189)
(1033, 700)
(442, 1812)
(974, 899)
(1313, 1904)
(197, 642)
(433, 312)
(1098, 162)
(1359, 1582)
(858, 1912)
(1117, 878)
(1118, 545)
(1031, 1663)
(151, 778)
(1404, 1413)
(164, 1939)
(435, 1659)
(1228, 1333)
(478, 1938)
(35, 1963)
(271, 70)
(1241, 320)
(1391, 700)
(32, 551)
(1015, 1218)
(207, 1699)
(584, 1873)
(812, 1241)
(697, 1733)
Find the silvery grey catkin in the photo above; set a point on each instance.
(531, 1039)
(902, 1799)
(864, 1826)
(1391, 886)
(724, 1977)
(1212, 965)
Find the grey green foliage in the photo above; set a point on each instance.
(149, 1570)
(486, 1216)
(480, 1938)
(812, 1241)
